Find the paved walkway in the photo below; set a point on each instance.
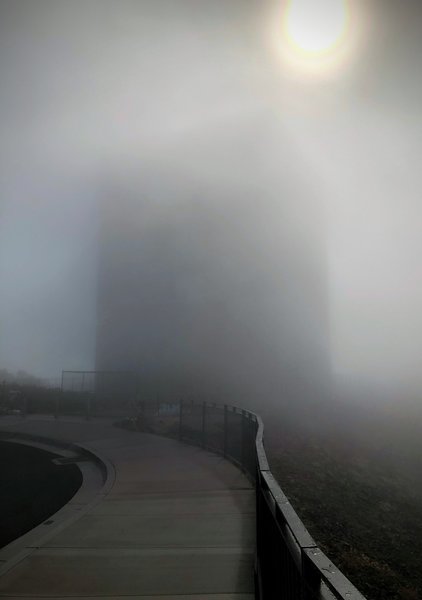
(171, 521)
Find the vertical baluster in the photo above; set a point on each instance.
(311, 579)
(204, 423)
(243, 440)
(180, 418)
(226, 421)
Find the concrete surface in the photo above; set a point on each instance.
(170, 521)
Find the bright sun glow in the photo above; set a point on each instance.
(315, 32)
(316, 26)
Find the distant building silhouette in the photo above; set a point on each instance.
(212, 275)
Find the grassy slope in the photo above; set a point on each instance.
(358, 490)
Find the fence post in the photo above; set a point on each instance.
(180, 418)
(226, 421)
(243, 441)
(259, 592)
(204, 414)
(311, 578)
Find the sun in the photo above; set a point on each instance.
(316, 27)
(315, 33)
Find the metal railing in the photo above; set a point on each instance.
(288, 563)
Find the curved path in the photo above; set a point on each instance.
(167, 521)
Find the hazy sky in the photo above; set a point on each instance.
(89, 84)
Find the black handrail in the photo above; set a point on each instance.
(288, 564)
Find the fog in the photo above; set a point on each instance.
(177, 198)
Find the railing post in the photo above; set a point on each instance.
(243, 440)
(311, 578)
(180, 418)
(226, 422)
(258, 533)
(204, 416)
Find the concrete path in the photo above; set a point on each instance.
(170, 521)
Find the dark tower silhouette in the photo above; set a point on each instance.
(212, 273)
